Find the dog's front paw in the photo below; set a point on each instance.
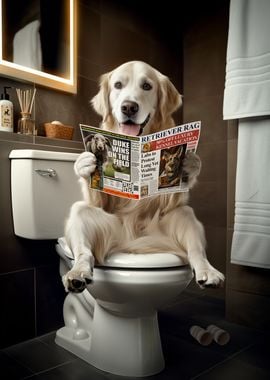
(209, 277)
(85, 164)
(192, 164)
(76, 281)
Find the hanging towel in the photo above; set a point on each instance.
(251, 238)
(247, 95)
(247, 85)
(27, 46)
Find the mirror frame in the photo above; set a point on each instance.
(16, 71)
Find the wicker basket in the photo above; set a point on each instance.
(58, 131)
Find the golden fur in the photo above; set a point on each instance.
(102, 223)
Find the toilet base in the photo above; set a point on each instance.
(118, 345)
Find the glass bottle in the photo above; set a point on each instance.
(26, 125)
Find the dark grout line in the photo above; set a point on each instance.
(221, 362)
(49, 369)
(20, 363)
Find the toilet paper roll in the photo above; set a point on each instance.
(203, 336)
(220, 336)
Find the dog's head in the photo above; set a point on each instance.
(136, 99)
(172, 162)
(96, 143)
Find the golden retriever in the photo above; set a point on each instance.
(135, 99)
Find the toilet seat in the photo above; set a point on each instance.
(143, 261)
(128, 260)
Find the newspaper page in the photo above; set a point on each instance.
(141, 166)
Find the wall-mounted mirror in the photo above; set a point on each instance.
(38, 42)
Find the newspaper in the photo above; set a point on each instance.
(141, 166)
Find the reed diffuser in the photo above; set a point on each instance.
(26, 125)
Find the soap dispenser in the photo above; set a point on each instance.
(6, 112)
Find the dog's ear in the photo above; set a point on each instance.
(88, 138)
(100, 102)
(169, 98)
(107, 141)
(166, 155)
(88, 146)
(87, 142)
(179, 151)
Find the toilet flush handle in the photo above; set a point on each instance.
(46, 172)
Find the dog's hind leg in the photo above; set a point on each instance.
(186, 231)
(90, 231)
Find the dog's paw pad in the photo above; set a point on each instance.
(211, 278)
(76, 286)
(76, 282)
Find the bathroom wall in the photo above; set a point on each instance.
(204, 57)
(110, 33)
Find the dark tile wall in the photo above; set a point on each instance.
(204, 52)
(109, 33)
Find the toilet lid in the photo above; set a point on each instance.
(149, 260)
(130, 260)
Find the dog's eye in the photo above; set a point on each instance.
(118, 85)
(146, 86)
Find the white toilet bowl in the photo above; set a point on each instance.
(115, 327)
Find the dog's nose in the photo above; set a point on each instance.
(129, 108)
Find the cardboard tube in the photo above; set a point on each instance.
(201, 335)
(220, 336)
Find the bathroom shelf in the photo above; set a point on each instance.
(40, 140)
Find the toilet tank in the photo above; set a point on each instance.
(43, 187)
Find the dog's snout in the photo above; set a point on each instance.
(100, 147)
(129, 108)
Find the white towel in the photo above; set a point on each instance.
(247, 86)
(27, 46)
(251, 238)
(247, 94)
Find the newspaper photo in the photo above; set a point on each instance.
(141, 166)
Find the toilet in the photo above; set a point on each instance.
(113, 323)
(44, 184)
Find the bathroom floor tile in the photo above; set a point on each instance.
(38, 356)
(193, 311)
(12, 370)
(182, 360)
(204, 311)
(257, 355)
(187, 358)
(234, 369)
(49, 339)
(76, 370)
(241, 337)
